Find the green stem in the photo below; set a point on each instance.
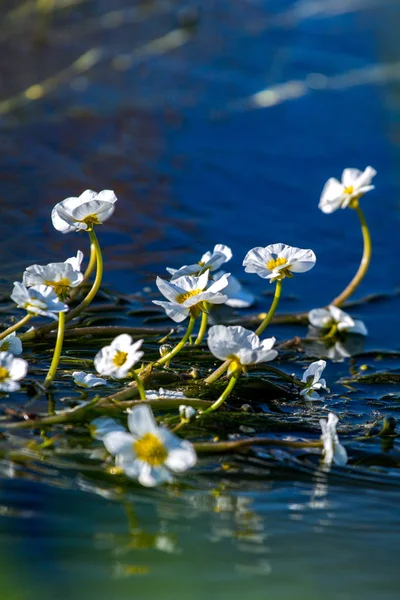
(16, 326)
(203, 325)
(218, 372)
(223, 396)
(364, 264)
(85, 302)
(140, 386)
(273, 308)
(92, 262)
(57, 350)
(167, 357)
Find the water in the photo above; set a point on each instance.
(213, 122)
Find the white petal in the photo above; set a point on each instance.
(169, 290)
(304, 261)
(359, 328)
(350, 176)
(219, 284)
(122, 342)
(176, 312)
(182, 458)
(152, 476)
(142, 421)
(339, 455)
(119, 442)
(18, 368)
(320, 317)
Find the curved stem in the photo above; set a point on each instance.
(140, 386)
(89, 270)
(203, 325)
(223, 396)
(167, 357)
(218, 372)
(271, 312)
(92, 262)
(364, 264)
(85, 302)
(16, 326)
(57, 350)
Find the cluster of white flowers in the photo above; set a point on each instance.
(148, 452)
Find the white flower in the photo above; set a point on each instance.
(162, 393)
(334, 452)
(327, 318)
(336, 194)
(241, 346)
(312, 379)
(277, 261)
(238, 297)
(186, 412)
(102, 425)
(209, 261)
(87, 380)
(148, 453)
(11, 371)
(11, 343)
(117, 359)
(60, 276)
(187, 292)
(90, 208)
(38, 300)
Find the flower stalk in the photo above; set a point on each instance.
(203, 325)
(16, 326)
(57, 350)
(365, 260)
(167, 357)
(271, 312)
(140, 386)
(224, 395)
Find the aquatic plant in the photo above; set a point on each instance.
(149, 452)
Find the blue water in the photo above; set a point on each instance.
(176, 127)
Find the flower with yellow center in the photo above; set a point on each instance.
(59, 276)
(118, 358)
(239, 345)
(82, 213)
(341, 194)
(313, 382)
(12, 370)
(38, 300)
(186, 295)
(148, 452)
(333, 319)
(11, 343)
(277, 261)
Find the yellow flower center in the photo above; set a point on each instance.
(90, 220)
(4, 374)
(120, 358)
(276, 262)
(181, 298)
(151, 450)
(349, 190)
(60, 287)
(234, 364)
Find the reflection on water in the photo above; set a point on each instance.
(215, 122)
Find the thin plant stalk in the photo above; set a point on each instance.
(140, 386)
(16, 326)
(30, 335)
(203, 325)
(224, 395)
(271, 312)
(57, 350)
(89, 270)
(364, 264)
(167, 357)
